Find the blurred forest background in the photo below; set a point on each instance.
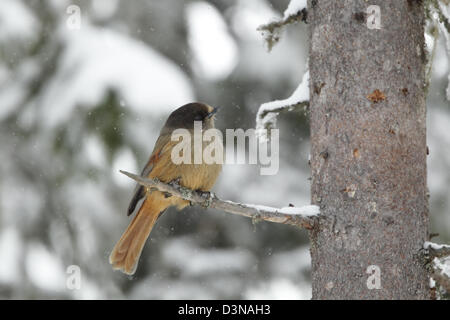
(77, 105)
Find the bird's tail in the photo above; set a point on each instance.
(126, 252)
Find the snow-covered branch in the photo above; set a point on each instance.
(305, 216)
(296, 11)
(437, 250)
(266, 117)
(441, 274)
(439, 256)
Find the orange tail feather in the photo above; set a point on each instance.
(126, 252)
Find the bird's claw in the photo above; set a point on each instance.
(175, 182)
(208, 196)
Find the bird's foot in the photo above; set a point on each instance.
(208, 196)
(175, 183)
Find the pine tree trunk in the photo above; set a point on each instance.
(369, 150)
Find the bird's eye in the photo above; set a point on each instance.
(198, 117)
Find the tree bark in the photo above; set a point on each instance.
(368, 153)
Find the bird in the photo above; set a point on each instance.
(200, 177)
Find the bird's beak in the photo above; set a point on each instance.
(212, 112)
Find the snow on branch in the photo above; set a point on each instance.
(305, 216)
(440, 272)
(296, 11)
(437, 250)
(266, 118)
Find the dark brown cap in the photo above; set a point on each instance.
(184, 116)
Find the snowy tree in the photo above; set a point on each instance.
(369, 71)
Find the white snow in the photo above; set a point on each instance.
(444, 267)
(93, 151)
(441, 265)
(16, 20)
(44, 269)
(429, 43)
(279, 289)
(300, 95)
(104, 9)
(124, 160)
(435, 246)
(255, 62)
(432, 283)
(294, 264)
(294, 7)
(10, 253)
(88, 291)
(96, 60)
(310, 210)
(213, 48)
(183, 254)
(247, 16)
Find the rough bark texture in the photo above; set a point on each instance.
(368, 154)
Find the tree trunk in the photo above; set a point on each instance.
(368, 154)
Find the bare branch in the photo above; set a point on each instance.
(302, 216)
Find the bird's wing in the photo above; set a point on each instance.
(139, 191)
